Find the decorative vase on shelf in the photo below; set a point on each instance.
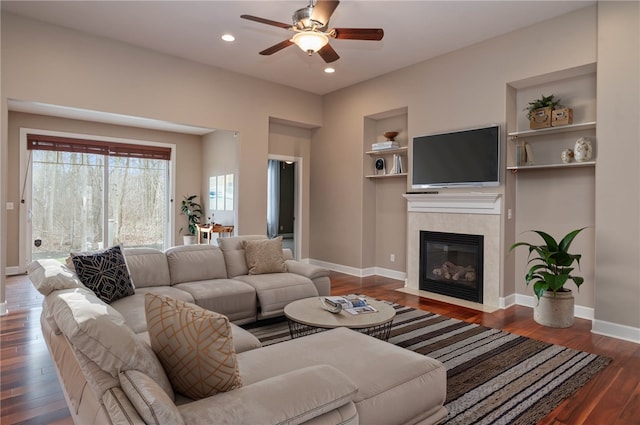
(567, 156)
(582, 151)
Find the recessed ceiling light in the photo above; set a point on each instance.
(228, 37)
(329, 70)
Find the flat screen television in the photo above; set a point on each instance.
(465, 158)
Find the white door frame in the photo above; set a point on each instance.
(297, 207)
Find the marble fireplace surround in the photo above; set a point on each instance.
(470, 213)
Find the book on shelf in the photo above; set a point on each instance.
(528, 153)
(384, 145)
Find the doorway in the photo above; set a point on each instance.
(284, 201)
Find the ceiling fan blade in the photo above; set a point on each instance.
(328, 54)
(266, 21)
(323, 10)
(276, 48)
(357, 33)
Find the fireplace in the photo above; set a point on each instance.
(451, 264)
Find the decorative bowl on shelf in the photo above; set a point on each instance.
(390, 135)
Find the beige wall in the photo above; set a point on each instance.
(94, 73)
(464, 89)
(618, 170)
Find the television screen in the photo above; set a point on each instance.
(457, 159)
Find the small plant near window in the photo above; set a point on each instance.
(193, 210)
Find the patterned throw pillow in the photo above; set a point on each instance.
(105, 273)
(194, 345)
(264, 256)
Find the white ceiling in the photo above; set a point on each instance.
(414, 31)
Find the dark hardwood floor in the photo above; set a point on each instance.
(30, 393)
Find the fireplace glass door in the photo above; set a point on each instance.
(451, 264)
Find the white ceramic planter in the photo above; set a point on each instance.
(555, 311)
(189, 240)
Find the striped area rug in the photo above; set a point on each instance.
(493, 377)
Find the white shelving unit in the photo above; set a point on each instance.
(548, 143)
(553, 130)
(387, 154)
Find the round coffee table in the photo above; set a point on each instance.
(307, 316)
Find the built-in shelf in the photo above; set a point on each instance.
(553, 130)
(546, 166)
(383, 176)
(401, 150)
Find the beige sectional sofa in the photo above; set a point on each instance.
(104, 360)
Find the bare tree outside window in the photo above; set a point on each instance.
(68, 202)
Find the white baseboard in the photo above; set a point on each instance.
(342, 269)
(353, 271)
(13, 270)
(615, 330)
(391, 274)
(506, 302)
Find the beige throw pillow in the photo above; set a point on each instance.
(194, 345)
(264, 256)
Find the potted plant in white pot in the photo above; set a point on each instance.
(193, 211)
(551, 267)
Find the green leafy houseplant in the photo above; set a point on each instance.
(193, 211)
(551, 263)
(542, 102)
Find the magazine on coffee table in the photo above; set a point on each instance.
(352, 305)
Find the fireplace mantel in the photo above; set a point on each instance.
(455, 203)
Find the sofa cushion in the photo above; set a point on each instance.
(234, 253)
(48, 275)
(234, 299)
(413, 384)
(302, 396)
(194, 345)
(189, 263)
(275, 290)
(264, 256)
(105, 273)
(243, 340)
(149, 399)
(132, 307)
(99, 332)
(147, 267)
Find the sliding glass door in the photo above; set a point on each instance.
(86, 201)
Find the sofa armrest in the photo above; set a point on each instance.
(306, 270)
(292, 398)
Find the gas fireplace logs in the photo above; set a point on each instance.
(450, 271)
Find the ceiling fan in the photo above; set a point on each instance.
(311, 35)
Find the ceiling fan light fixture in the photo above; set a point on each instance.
(310, 41)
